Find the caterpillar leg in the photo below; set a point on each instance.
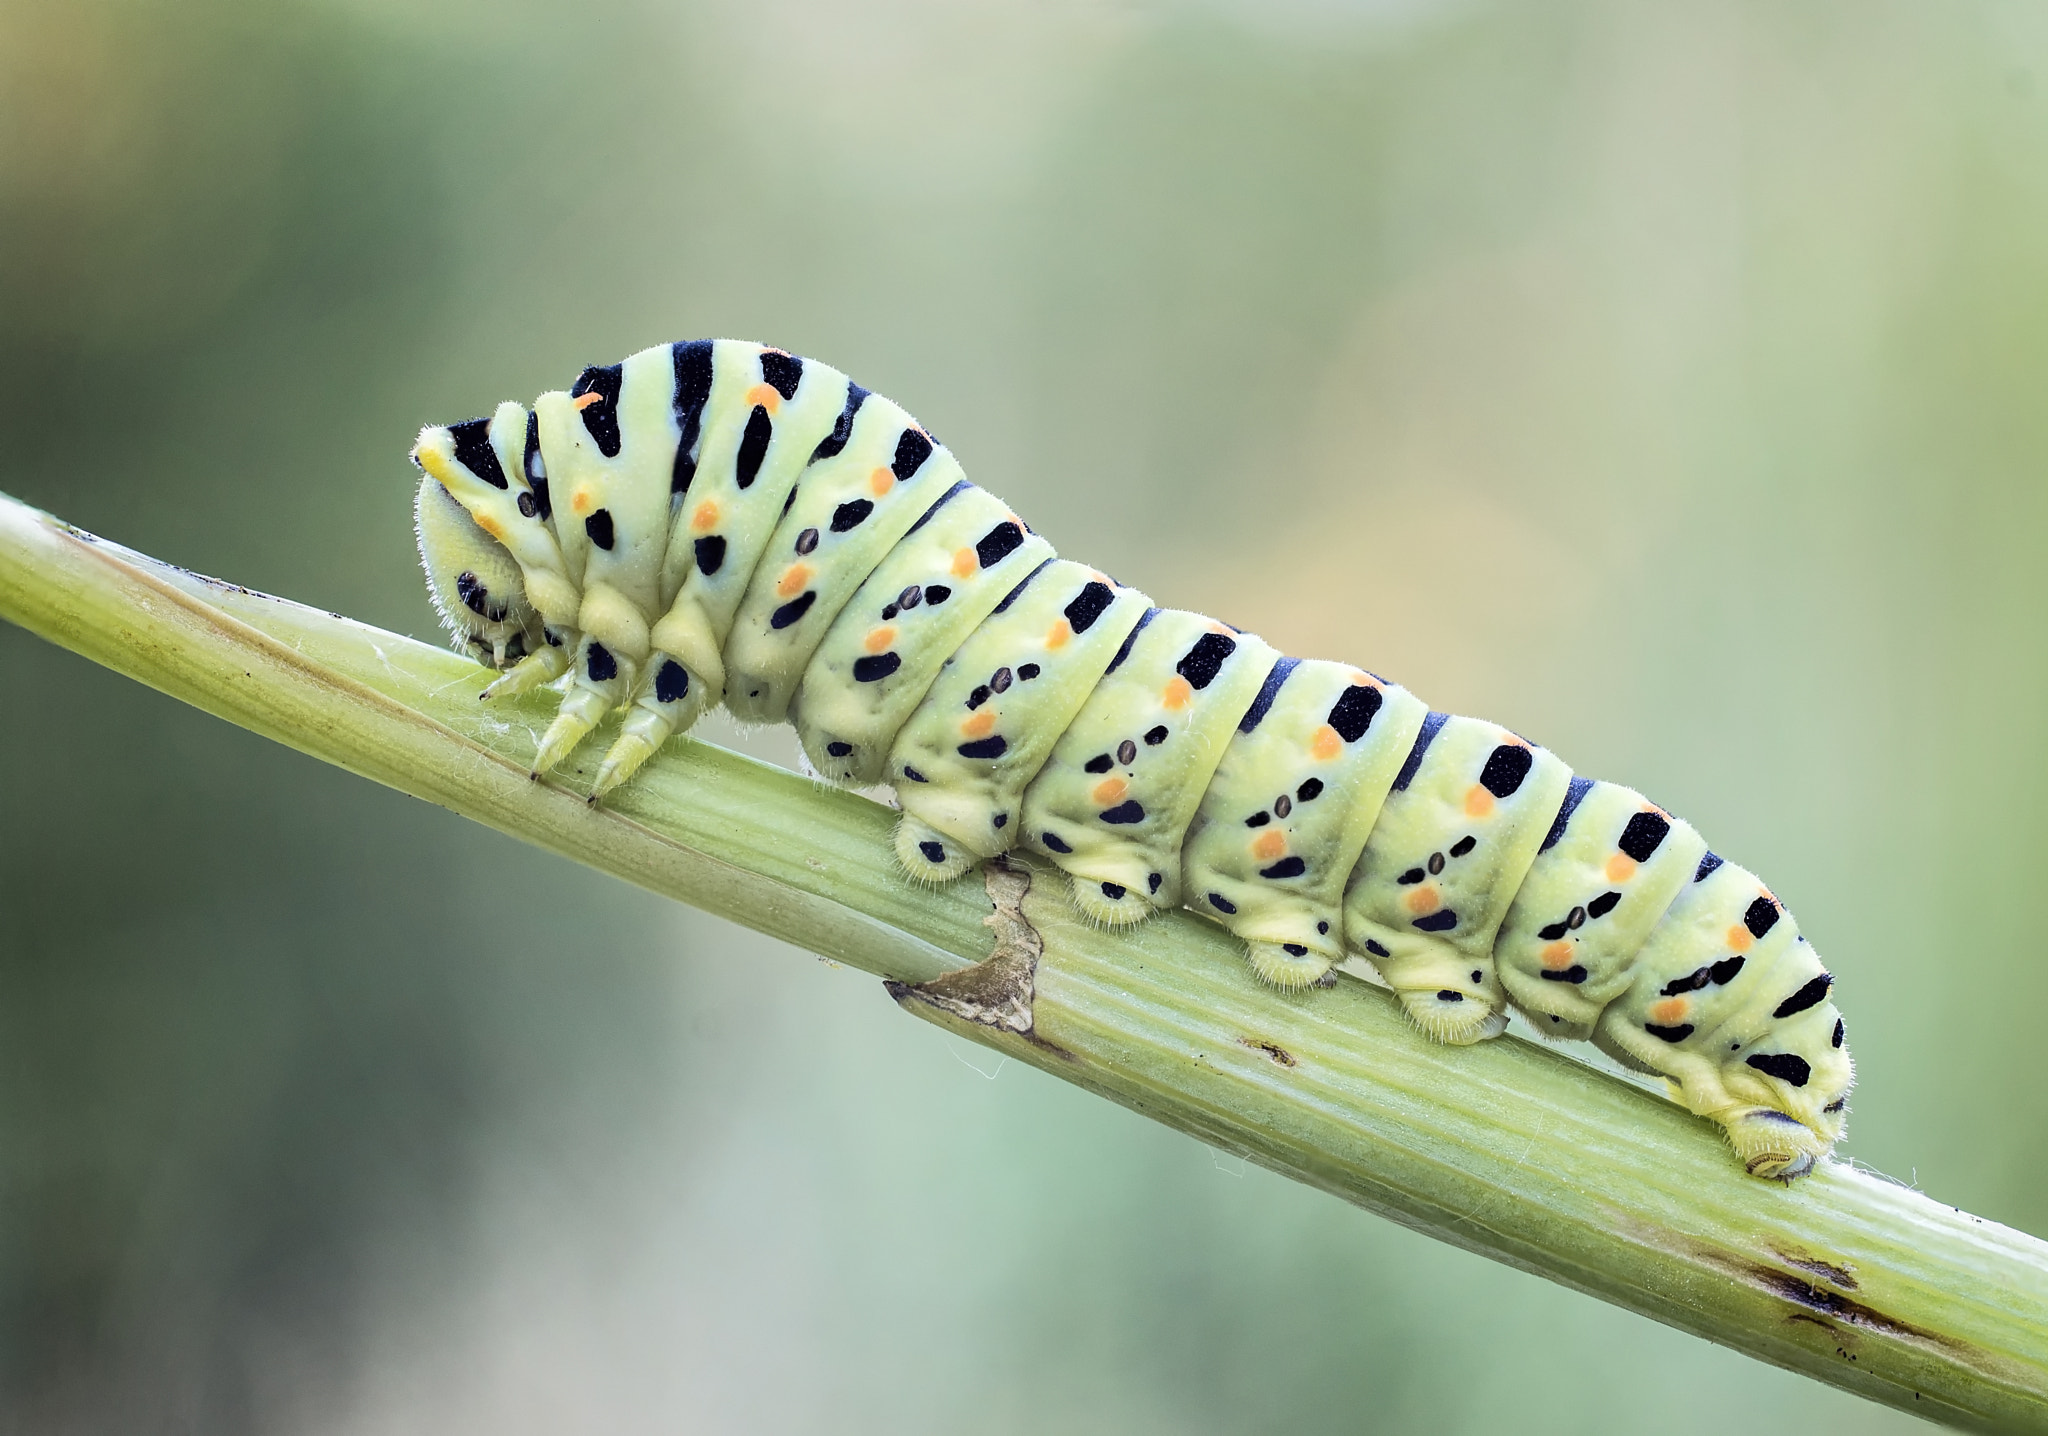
(538, 669)
(603, 682)
(668, 702)
(927, 854)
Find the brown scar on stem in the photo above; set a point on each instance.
(1823, 1307)
(997, 991)
(1272, 1049)
(1826, 1271)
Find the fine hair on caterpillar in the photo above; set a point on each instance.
(714, 522)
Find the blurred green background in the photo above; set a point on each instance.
(1664, 382)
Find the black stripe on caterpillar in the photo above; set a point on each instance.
(716, 522)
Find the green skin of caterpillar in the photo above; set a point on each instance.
(718, 522)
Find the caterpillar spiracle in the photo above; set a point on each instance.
(714, 521)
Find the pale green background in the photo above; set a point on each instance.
(1663, 381)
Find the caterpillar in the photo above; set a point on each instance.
(718, 522)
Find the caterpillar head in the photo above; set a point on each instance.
(474, 580)
(1792, 1095)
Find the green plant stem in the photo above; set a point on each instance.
(1510, 1149)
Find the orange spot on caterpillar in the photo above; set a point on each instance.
(964, 562)
(1423, 901)
(1670, 1012)
(1325, 744)
(1478, 802)
(1269, 845)
(1109, 790)
(979, 725)
(793, 580)
(880, 482)
(763, 396)
(581, 501)
(1620, 868)
(879, 639)
(1178, 694)
(704, 517)
(1739, 938)
(584, 401)
(1558, 956)
(1058, 634)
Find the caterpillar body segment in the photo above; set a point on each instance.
(1290, 808)
(850, 509)
(1115, 799)
(1469, 809)
(717, 522)
(749, 421)
(1609, 867)
(961, 559)
(986, 727)
(1731, 1004)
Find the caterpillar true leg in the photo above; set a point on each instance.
(665, 703)
(536, 670)
(603, 681)
(713, 522)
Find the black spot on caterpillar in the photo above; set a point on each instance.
(691, 364)
(781, 371)
(1088, 606)
(599, 391)
(754, 448)
(1205, 660)
(935, 639)
(1354, 711)
(473, 448)
(671, 682)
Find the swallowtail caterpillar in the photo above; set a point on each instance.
(715, 521)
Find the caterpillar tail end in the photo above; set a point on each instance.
(927, 855)
(1455, 1018)
(1288, 965)
(536, 670)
